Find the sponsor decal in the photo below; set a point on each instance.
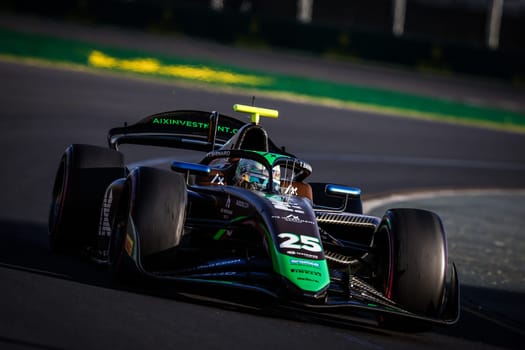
(241, 204)
(128, 245)
(179, 122)
(104, 228)
(301, 254)
(290, 191)
(289, 205)
(304, 262)
(192, 124)
(228, 202)
(219, 154)
(294, 219)
(219, 264)
(217, 179)
(226, 129)
(306, 272)
(222, 274)
(225, 262)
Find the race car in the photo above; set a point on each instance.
(245, 220)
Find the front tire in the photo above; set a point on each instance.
(416, 276)
(152, 208)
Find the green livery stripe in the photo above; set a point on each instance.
(219, 234)
(271, 157)
(74, 54)
(222, 231)
(308, 275)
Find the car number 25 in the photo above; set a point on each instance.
(293, 241)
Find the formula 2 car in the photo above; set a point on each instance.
(244, 218)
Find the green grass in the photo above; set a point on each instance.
(73, 53)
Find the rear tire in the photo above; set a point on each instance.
(417, 275)
(153, 203)
(83, 174)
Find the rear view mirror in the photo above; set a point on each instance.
(338, 190)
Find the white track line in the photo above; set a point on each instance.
(373, 203)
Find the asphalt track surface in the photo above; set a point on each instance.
(55, 302)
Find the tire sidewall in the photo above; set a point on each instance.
(418, 260)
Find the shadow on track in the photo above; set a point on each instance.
(490, 316)
(6, 341)
(24, 247)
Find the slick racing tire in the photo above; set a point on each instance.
(83, 174)
(152, 208)
(418, 264)
(320, 198)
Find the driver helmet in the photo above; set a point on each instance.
(253, 175)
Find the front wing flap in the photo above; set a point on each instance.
(228, 287)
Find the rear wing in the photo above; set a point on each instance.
(195, 130)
